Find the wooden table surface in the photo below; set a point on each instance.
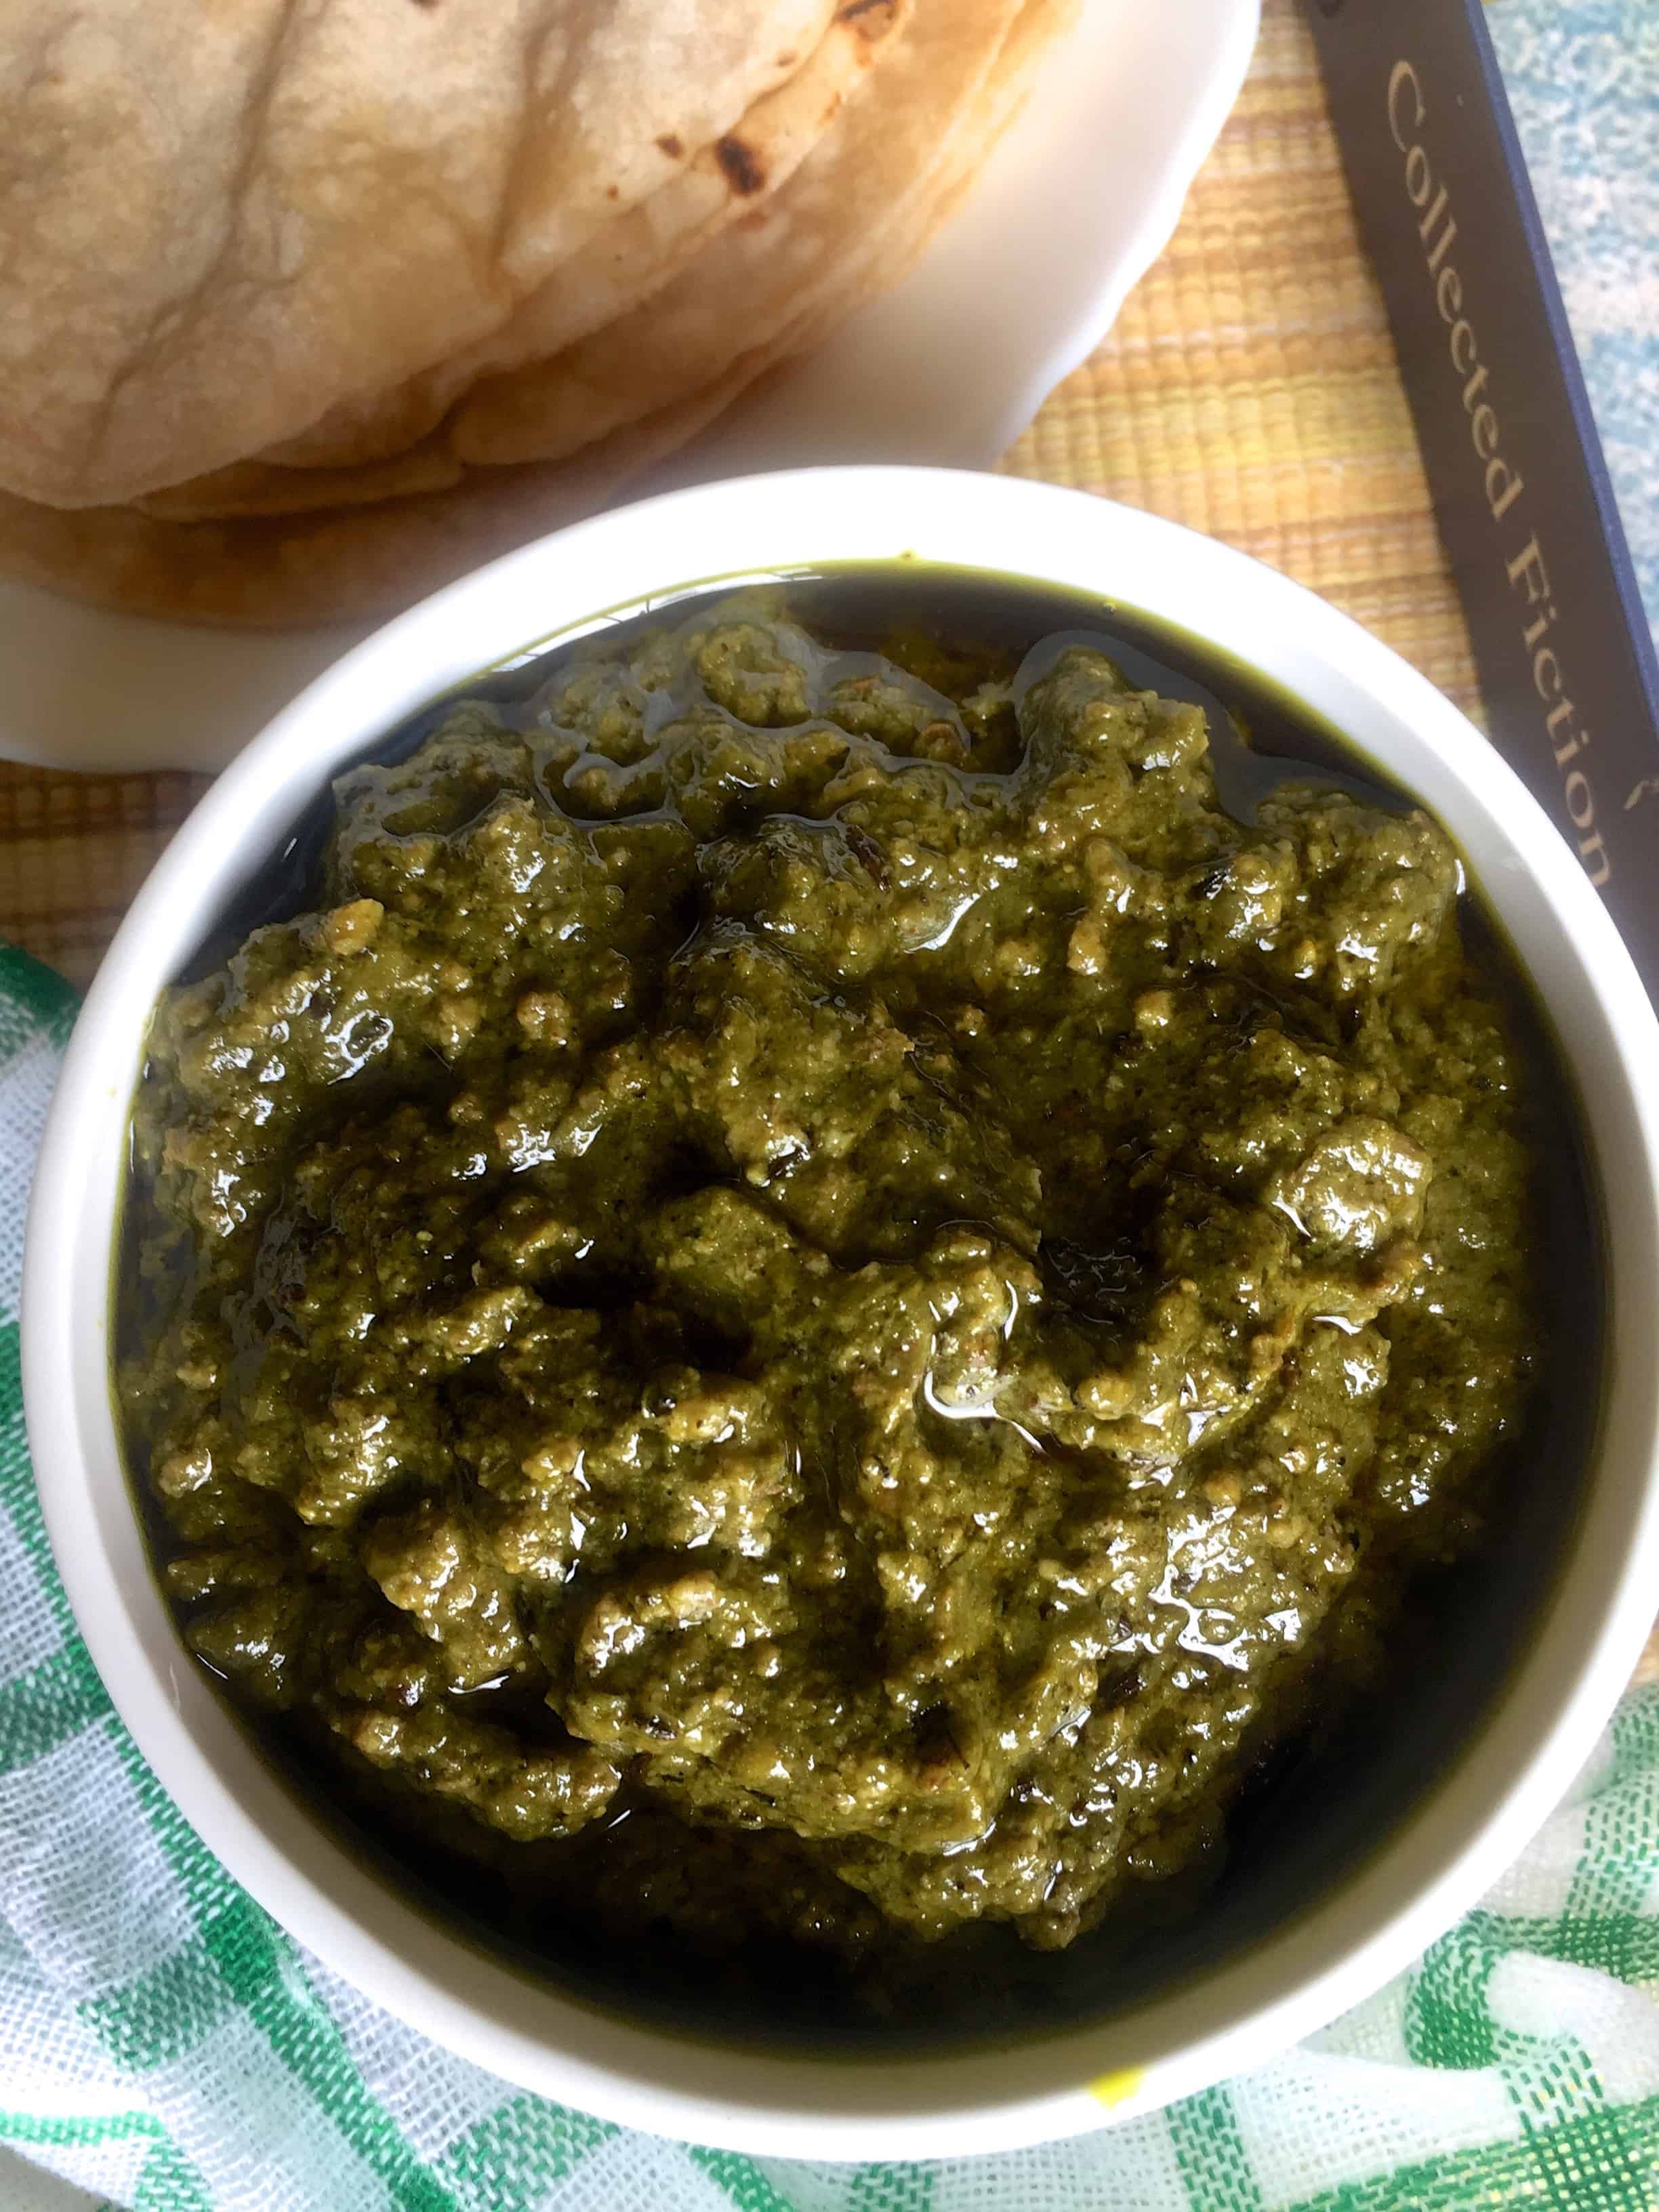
(1248, 389)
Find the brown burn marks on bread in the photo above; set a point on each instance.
(740, 165)
(871, 19)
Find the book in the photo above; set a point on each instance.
(1515, 464)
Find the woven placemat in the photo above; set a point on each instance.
(1250, 388)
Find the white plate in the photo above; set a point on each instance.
(1076, 203)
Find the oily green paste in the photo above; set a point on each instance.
(809, 1299)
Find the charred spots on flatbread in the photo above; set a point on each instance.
(872, 18)
(739, 166)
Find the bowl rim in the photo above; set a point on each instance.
(1295, 1980)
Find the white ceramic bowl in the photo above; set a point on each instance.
(1463, 1832)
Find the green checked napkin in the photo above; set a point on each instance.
(164, 2044)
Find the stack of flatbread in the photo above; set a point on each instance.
(310, 304)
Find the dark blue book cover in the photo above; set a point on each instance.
(1514, 461)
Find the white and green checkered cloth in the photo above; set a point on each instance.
(165, 2046)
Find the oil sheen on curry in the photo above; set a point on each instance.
(809, 1297)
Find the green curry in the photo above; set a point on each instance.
(835, 1279)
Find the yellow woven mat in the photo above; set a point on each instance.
(1248, 389)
